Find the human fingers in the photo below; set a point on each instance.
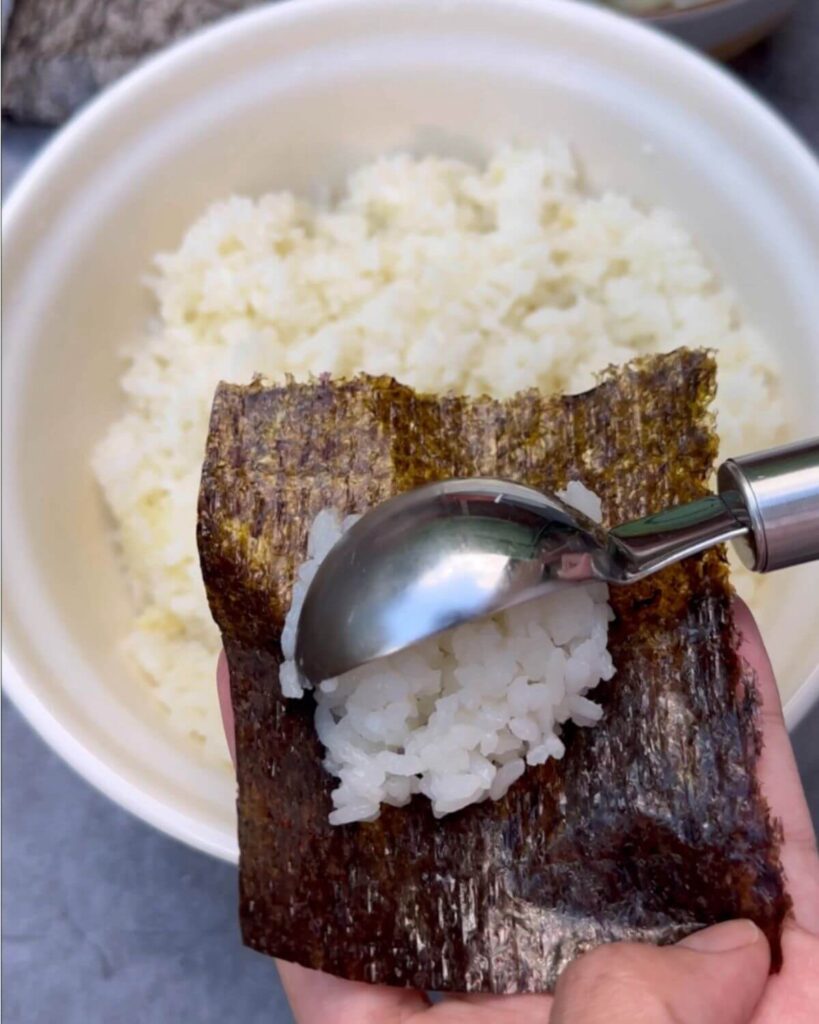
(716, 976)
(319, 998)
(779, 778)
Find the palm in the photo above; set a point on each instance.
(318, 997)
(792, 995)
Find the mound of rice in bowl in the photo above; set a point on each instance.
(446, 275)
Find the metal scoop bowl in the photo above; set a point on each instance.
(448, 552)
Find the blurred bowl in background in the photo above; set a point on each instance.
(724, 28)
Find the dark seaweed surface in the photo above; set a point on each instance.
(650, 827)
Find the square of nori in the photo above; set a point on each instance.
(650, 827)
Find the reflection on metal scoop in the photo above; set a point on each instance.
(450, 552)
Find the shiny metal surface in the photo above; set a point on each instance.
(780, 491)
(449, 552)
(675, 533)
(431, 558)
(453, 551)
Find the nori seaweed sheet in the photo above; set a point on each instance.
(650, 827)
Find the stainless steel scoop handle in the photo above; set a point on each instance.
(776, 494)
(768, 506)
(452, 551)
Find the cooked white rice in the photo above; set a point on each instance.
(459, 716)
(446, 275)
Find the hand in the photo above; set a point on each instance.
(716, 976)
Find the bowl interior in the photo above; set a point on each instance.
(293, 97)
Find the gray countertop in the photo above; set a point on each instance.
(106, 920)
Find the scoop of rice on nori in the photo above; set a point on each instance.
(651, 826)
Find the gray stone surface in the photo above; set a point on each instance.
(105, 920)
(58, 53)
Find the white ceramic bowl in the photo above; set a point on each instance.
(293, 96)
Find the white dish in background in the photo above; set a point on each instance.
(293, 96)
(724, 28)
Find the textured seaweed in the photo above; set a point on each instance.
(650, 827)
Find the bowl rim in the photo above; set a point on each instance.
(163, 815)
(670, 18)
(81, 756)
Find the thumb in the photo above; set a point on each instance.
(715, 976)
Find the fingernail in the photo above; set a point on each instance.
(720, 938)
